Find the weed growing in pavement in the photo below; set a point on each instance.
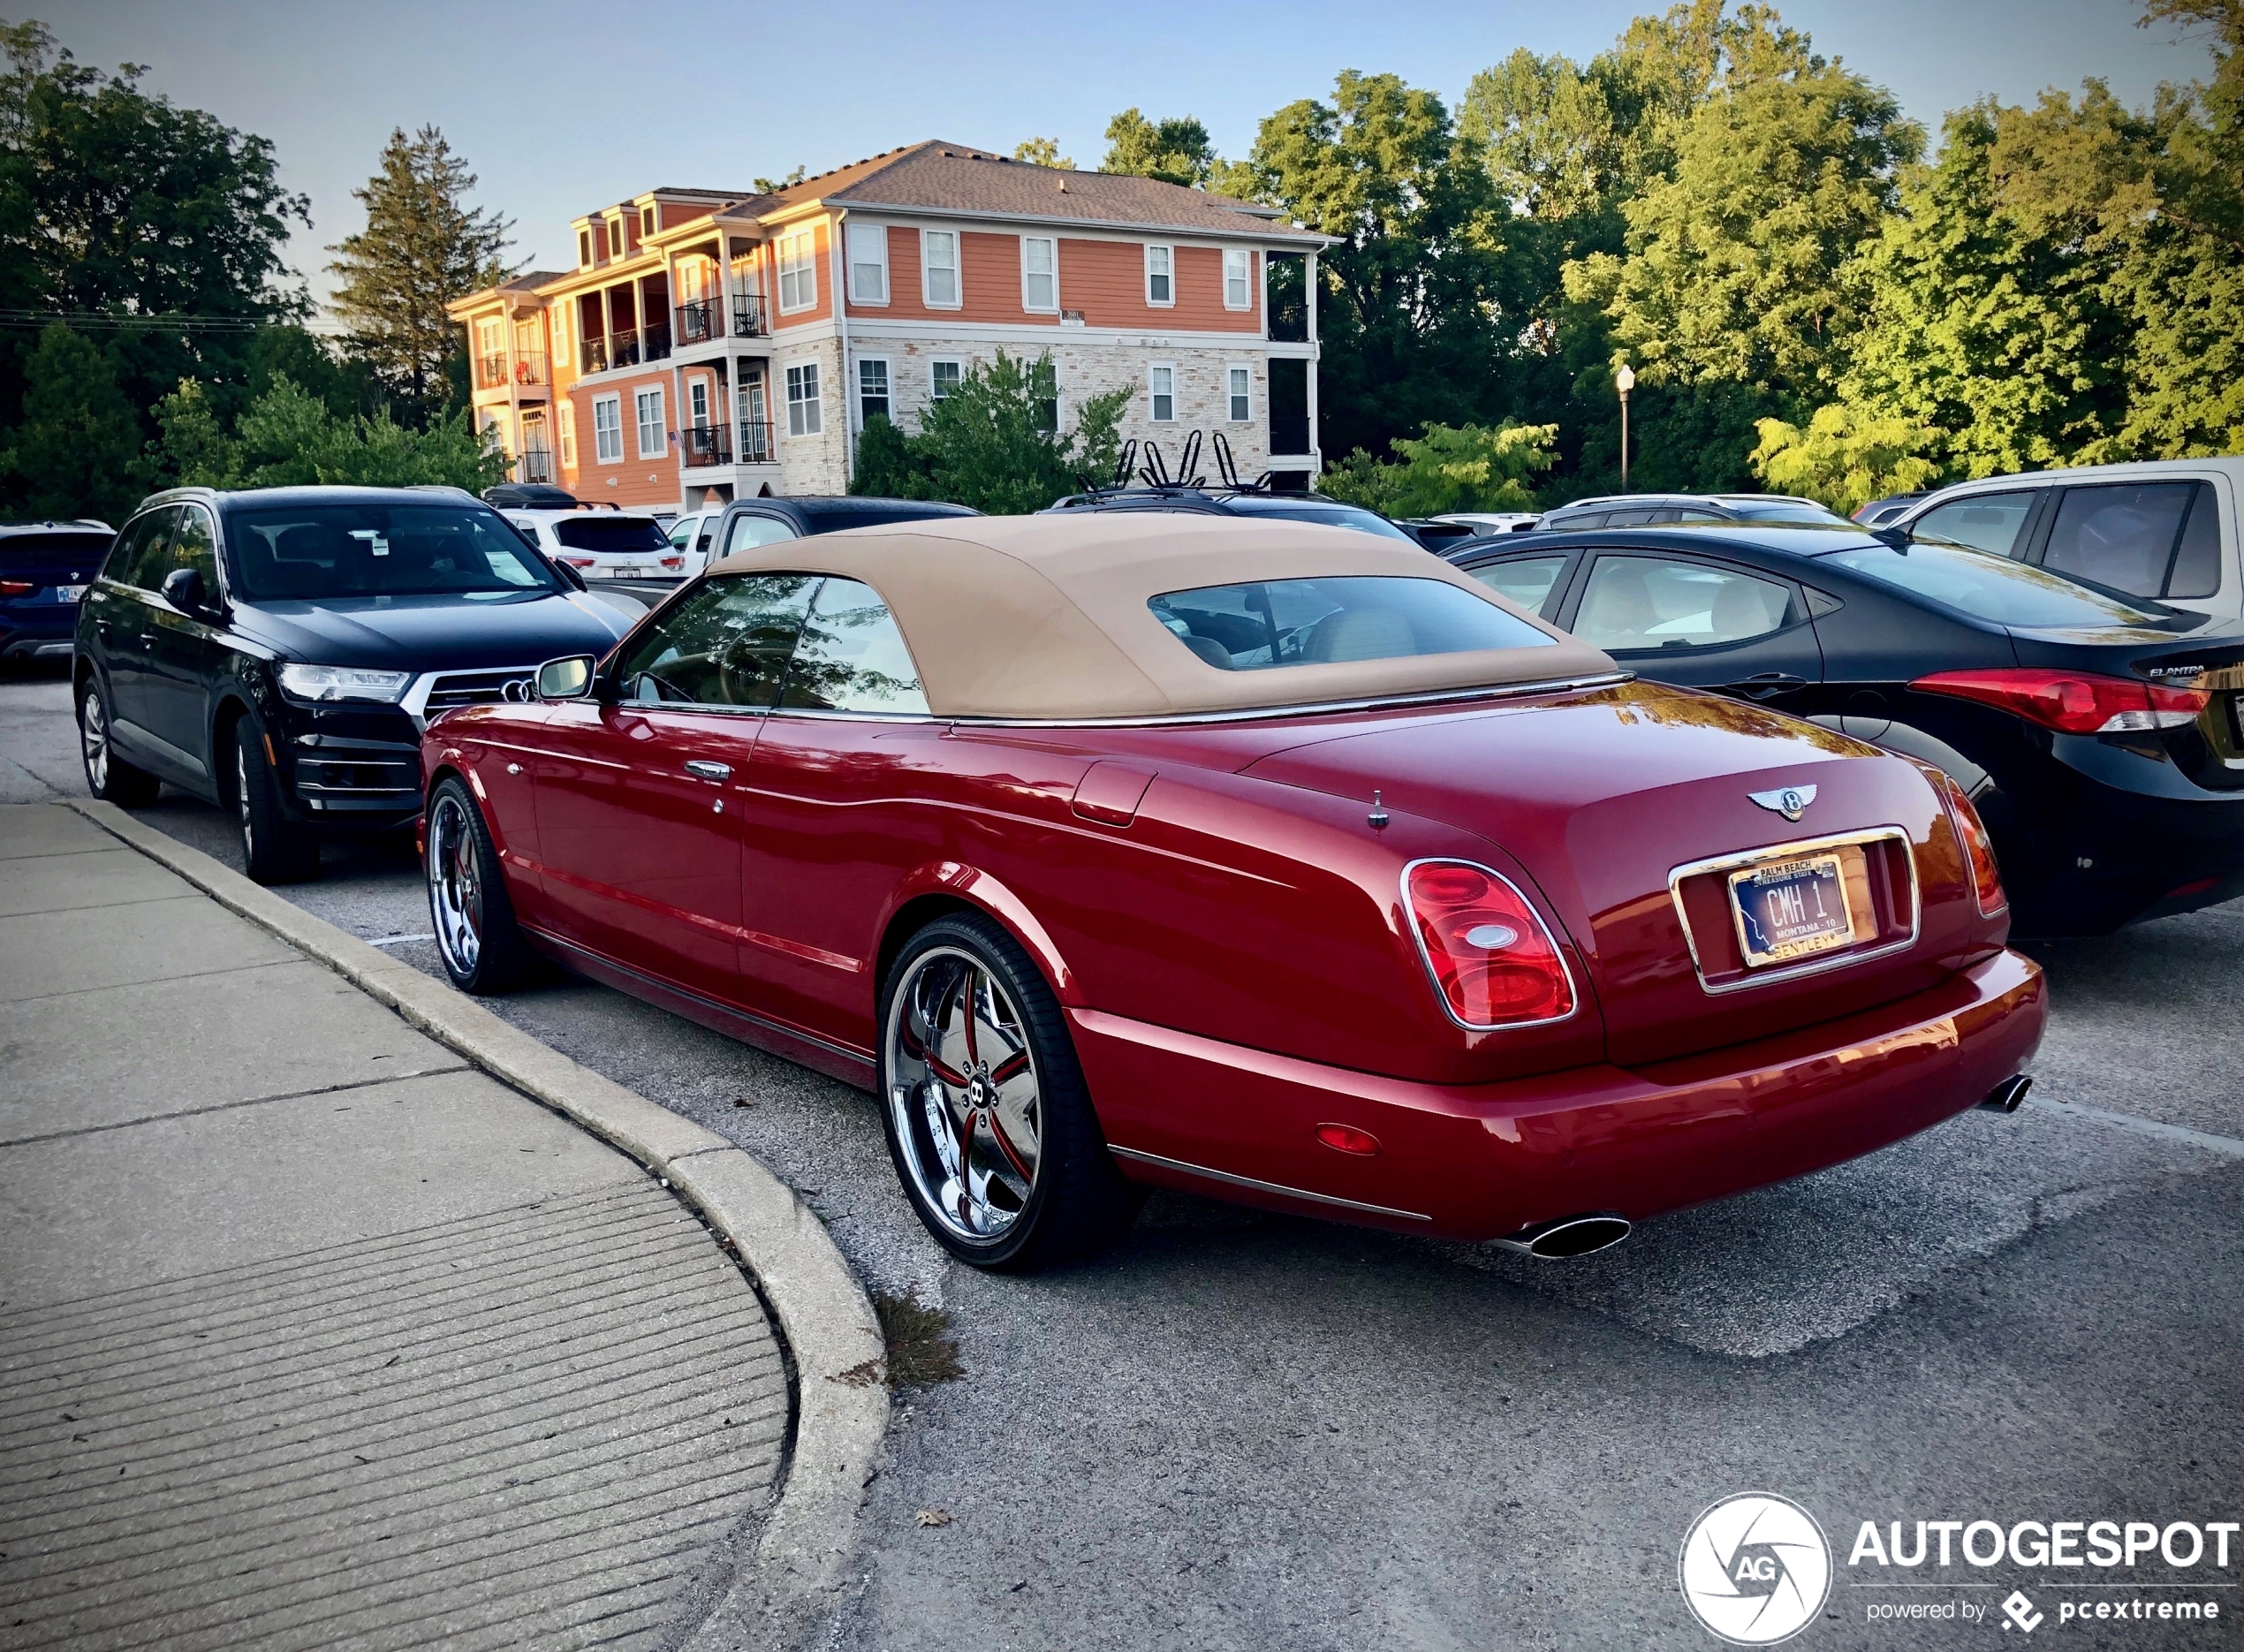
(921, 1350)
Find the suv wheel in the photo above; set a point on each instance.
(108, 776)
(273, 849)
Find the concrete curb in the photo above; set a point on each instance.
(841, 1406)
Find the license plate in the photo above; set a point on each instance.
(631, 569)
(69, 593)
(1790, 909)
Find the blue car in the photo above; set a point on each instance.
(44, 569)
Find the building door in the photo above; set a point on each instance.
(755, 418)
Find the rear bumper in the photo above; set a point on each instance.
(1478, 1161)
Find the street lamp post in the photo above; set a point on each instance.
(1624, 381)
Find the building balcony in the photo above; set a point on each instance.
(704, 445)
(534, 464)
(749, 320)
(700, 321)
(520, 367)
(1289, 435)
(593, 354)
(755, 442)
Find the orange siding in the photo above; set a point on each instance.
(1106, 281)
(821, 234)
(989, 278)
(638, 482)
(905, 294)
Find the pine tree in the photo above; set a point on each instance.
(422, 247)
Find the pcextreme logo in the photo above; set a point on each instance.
(1755, 1569)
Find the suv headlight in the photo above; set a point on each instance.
(342, 682)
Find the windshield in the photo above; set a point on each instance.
(613, 535)
(1327, 622)
(305, 552)
(1328, 513)
(1989, 586)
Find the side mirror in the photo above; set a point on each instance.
(1899, 538)
(569, 678)
(182, 588)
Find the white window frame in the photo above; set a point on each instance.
(1167, 272)
(587, 247)
(802, 273)
(1027, 303)
(806, 411)
(697, 402)
(935, 392)
(558, 327)
(1242, 259)
(1231, 415)
(567, 418)
(640, 397)
(873, 237)
(614, 403)
(887, 380)
(1153, 394)
(930, 268)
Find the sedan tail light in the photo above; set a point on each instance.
(1492, 956)
(582, 562)
(2073, 702)
(1979, 849)
(17, 588)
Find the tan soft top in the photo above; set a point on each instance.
(1046, 616)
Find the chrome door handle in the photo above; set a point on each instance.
(515, 768)
(703, 770)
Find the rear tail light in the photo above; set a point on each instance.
(2073, 702)
(1492, 958)
(17, 588)
(1979, 849)
(582, 562)
(673, 561)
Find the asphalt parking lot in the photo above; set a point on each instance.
(1235, 1429)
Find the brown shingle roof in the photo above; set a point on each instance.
(958, 178)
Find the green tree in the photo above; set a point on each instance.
(1176, 150)
(1410, 312)
(994, 442)
(1044, 152)
(289, 437)
(1844, 457)
(422, 247)
(1449, 468)
(73, 455)
(191, 449)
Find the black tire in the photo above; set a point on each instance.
(482, 947)
(274, 848)
(1077, 1200)
(108, 776)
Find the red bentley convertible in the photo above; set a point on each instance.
(1270, 861)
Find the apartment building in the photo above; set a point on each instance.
(712, 345)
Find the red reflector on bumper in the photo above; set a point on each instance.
(1348, 1139)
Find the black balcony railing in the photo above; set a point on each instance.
(703, 445)
(491, 371)
(530, 367)
(700, 321)
(1289, 434)
(594, 355)
(535, 464)
(623, 347)
(654, 343)
(755, 442)
(747, 315)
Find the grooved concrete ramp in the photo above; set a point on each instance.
(311, 1335)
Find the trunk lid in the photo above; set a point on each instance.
(1601, 797)
(2209, 751)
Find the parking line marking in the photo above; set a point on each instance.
(2227, 1146)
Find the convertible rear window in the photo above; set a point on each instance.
(1991, 587)
(1328, 622)
(308, 552)
(613, 535)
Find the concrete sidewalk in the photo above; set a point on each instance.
(312, 1333)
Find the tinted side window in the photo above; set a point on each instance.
(851, 656)
(1642, 602)
(2197, 563)
(196, 545)
(140, 548)
(750, 529)
(1986, 521)
(2123, 537)
(1527, 582)
(726, 644)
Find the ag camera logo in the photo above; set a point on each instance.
(1755, 1569)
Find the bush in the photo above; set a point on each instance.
(1463, 467)
(1844, 457)
(994, 442)
(288, 438)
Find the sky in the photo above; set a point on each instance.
(564, 107)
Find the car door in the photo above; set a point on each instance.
(825, 842)
(1985, 521)
(2154, 539)
(1700, 621)
(745, 530)
(121, 608)
(637, 800)
(186, 651)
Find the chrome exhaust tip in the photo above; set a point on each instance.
(1568, 1237)
(2006, 1097)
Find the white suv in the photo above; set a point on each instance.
(693, 537)
(602, 544)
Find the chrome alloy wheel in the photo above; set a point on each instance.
(93, 735)
(241, 802)
(455, 884)
(962, 1093)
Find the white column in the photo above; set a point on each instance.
(1308, 282)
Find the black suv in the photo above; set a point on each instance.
(1253, 503)
(278, 651)
(751, 522)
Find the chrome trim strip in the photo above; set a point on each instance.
(1787, 851)
(1265, 1187)
(1321, 708)
(416, 699)
(1574, 991)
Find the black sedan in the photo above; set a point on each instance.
(2100, 737)
(278, 651)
